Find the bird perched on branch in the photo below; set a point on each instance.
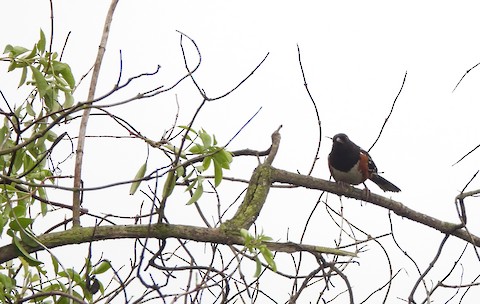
(348, 163)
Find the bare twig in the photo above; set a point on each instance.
(389, 114)
(468, 71)
(430, 266)
(319, 122)
(468, 153)
(244, 125)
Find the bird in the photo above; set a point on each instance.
(350, 164)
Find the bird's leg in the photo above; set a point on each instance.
(366, 191)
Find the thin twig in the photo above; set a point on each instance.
(470, 152)
(244, 125)
(319, 122)
(430, 266)
(389, 114)
(468, 71)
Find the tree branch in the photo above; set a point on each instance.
(398, 208)
(160, 231)
(83, 125)
(257, 192)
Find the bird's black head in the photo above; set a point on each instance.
(340, 139)
(345, 154)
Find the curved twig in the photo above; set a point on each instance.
(319, 122)
(389, 114)
(430, 266)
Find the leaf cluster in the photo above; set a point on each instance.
(203, 146)
(48, 75)
(256, 246)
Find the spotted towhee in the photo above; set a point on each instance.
(348, 163)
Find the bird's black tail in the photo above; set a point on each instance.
(384, 184)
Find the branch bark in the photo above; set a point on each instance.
(77, 181)
(398, 208)
(82, 235)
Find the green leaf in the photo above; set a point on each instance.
(218, 173)
(27, 239)
(40, 81)
(206, 138)
(13, 65)
(44, 208)
(72, 274)
(54, 263)
(8, 48)
(206, 162)
(29, 109)
(2, 224)
(61, 84)
(258, 269)
(104, 266)
(169, 184)
(224, 158)
(7, 282)
(20, 223)
(18, 162)
(268, 256)
(197, 193)
(192, 184)
(23, 77)
(14, 50)
(175, 150)
(18, 211)
(264, 238)
(244, 233)
(69, 100)
(197, 149)
(140, 174)
(51, 136)
(28, 258)
(64, 70)
(63, 300)
(27, 162)
(180, 171)
(50, 98)
(31, 54)
(40, 175)
(68, 76)
(188, 129)
(41, 42)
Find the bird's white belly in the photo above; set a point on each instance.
(353, 177)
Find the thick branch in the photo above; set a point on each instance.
(160, 231)
(257, 192)
(282, 176)
(252, 204)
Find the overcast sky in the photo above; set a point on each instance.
(355, 55)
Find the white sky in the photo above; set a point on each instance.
(354, 54)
